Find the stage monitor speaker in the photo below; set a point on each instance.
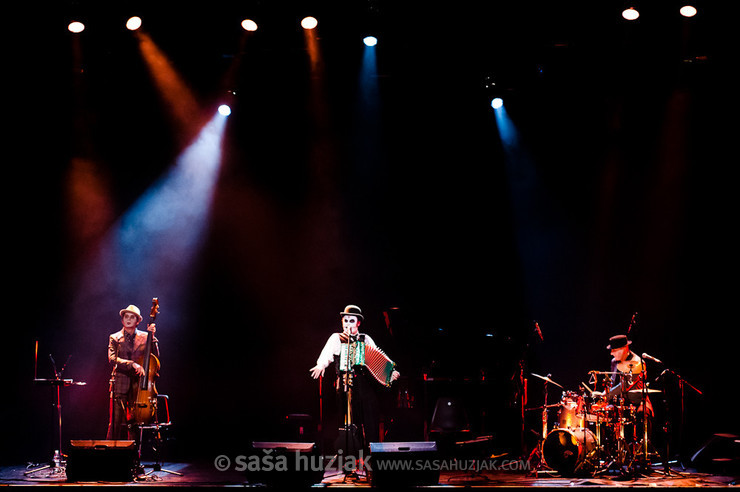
(101, 461)
(404, 463)
(720, 454)
(284, 464)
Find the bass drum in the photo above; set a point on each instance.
(567, 450)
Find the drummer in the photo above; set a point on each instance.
(627, 368)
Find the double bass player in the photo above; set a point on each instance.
(125, 348)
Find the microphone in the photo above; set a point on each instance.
(537, 329)
(650, 357)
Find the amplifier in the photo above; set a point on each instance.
(101, 461)
(404, 463)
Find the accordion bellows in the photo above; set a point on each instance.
(374, 359)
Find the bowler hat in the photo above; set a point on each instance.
(618, 341)
(352, 310)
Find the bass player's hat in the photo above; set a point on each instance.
(131, 309)
(618, 341)
(352, 310)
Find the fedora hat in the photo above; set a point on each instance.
(352, 310)
(618, 341)
(131, 309)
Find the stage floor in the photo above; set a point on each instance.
(205, 475)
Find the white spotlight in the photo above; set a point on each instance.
(688, 11)
(309, 23)
(133, 23)
(224, 110)
(370, 40)
(249, 25)
(76, 27)
(497, 102)
(630, 14)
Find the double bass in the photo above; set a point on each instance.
(145, 408)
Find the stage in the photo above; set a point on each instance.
(205, 475)
(501, 187)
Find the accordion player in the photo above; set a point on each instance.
(360, 365)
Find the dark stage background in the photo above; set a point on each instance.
(616, 198)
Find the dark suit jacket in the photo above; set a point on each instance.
(123, 354)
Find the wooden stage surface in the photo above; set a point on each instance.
(205, 475)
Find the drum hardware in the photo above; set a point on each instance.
(598, 431)
(607, 427)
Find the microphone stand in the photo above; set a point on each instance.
(346, 385)
(681, 384)
(667, 428)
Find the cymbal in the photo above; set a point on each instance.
(545, 378)
(646, 391)
(552, 405)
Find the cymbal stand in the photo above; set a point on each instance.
(539, 450)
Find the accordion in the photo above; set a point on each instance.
(360, 354)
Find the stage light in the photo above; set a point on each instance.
(497, 102)
(224, 110)
(370, 40)
(249, 25)
(76, 27)
(309, 23)
(688, 11)
(630, 14)
(133, 23)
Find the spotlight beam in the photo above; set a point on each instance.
(153, 248)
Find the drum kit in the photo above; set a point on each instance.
(596, 430)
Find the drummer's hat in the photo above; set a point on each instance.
(352, 310)
(131, 309)
(618, 341)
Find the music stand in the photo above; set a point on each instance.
(57, 463)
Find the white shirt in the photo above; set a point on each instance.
(333, 347)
